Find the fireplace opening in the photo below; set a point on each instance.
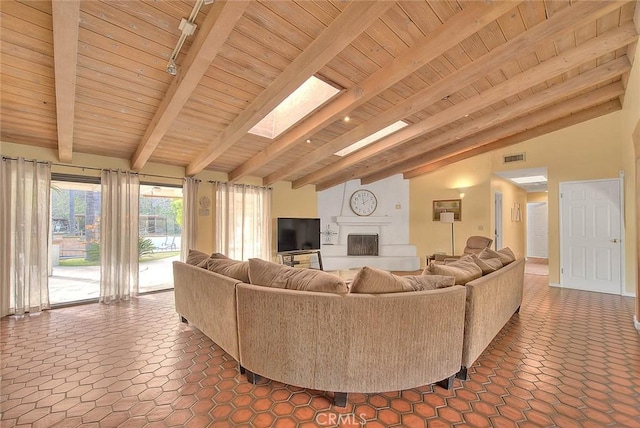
(362, 245)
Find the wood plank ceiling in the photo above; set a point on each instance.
(466, 76)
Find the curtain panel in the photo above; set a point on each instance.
(119, 236)
(24, 235)
(189, 216)
(243, 221)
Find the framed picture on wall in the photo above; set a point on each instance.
(449, 205)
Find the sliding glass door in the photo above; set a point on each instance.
(74, 250)
(160, 229)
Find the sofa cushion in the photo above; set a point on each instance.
(218, 256)
(196, 257)
(506, 251)
(487, 265)
(231, 268)
(464, 270)
(504, 256)
(376, 281)
(270, 274)
(430, 282)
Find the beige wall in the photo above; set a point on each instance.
(473, 178)
(630, 154)
(588, 151)
(285, 202)
(537, 197)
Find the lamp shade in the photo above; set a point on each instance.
(446, 217)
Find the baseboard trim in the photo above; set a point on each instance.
(554, 284)
(628, 294)
(636, 323)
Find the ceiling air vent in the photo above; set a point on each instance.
(514, 158)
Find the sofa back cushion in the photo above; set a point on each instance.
(505, 255)
(375, 281)
(196, 257)
(463, 270)
(227, 267)
(487, 265)
(269, 274)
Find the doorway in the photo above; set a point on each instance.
(591, 247)
(537, 230)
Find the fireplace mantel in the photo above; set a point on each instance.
(369, 221)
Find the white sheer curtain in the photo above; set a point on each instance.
(119, 236)
(24, 235)
(189, 216)
(243, 221)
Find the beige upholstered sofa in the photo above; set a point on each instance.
(349, 342)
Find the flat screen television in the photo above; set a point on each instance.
(295, 234)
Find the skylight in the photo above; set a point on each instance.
(530, 179)
(308, 97)
(372, 138)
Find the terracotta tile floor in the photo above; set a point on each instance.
(569, 358)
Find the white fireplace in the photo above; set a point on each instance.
(390, 222)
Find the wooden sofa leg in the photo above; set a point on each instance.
(463, 373)
(340, 399)
(241, 369)
(446, 383)
(184, 320)
(252, 377)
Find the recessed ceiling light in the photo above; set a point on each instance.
(530, 179)
(347, 119)
(308, 140)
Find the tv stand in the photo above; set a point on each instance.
(301, 258)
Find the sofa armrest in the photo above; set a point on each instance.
(491, 302)
(208, 301)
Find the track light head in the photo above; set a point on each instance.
(172, 69)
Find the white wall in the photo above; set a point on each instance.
(390, 221)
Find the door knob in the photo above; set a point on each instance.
(614, 240)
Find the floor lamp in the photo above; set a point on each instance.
(448, 217)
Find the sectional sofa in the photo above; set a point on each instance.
(344, 341)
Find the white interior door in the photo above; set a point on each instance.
(537, 230)
(590, 236)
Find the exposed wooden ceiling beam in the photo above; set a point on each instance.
(539, 124)
(560, 23)
(66, 20)
(473, 18)
(533, 120)
(215, 30)
(536, 119)
(543, 99)
(573, 119)
(555, 66)
(353, 20)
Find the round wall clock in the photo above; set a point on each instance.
(363, 202)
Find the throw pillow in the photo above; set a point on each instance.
(375, 281)
(195, 257)
(464, 270)
(506, 251)
(218, 256)
(231, 268)
(274, 275)
(488, 253)
(487, 265)
(430, 282)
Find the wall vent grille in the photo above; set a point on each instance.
(514, 158)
